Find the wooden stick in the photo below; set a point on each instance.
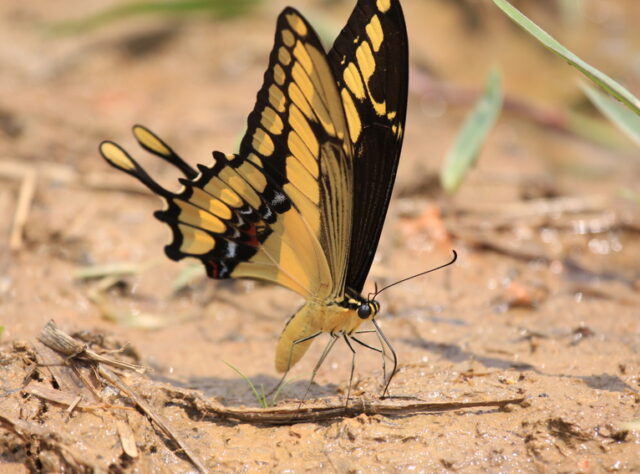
(292, 415)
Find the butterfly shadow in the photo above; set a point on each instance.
(236, 391)
(455, 354)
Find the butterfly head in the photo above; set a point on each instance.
(368, 309)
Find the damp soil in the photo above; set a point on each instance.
(542, 306)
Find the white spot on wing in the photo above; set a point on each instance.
(279, 198)
(232, 250)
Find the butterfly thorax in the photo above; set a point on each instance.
(365, 309)
(342, 316)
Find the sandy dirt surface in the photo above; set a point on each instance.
(542, 304)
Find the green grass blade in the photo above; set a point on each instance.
(189, 273)
(600, 78)
(466, 147)
(274, 398)
(262, 400)
(595, 129)
(109, 270)
(220, 8)
(621, 116)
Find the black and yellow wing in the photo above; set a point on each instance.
(370, 63)
(279, 210)
(303, 202)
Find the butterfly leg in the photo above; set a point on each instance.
(393, 355)
(353, 366)
(324, 355)
(286, 372)
(384, 357)
(364, 344)
(382, 351)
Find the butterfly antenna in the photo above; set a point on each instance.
(377, 292)
(371, 296)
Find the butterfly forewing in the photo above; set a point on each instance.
(280, 209)
(297, 134)
(370, 63)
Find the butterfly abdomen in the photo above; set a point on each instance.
(292, 346)
(311, 319)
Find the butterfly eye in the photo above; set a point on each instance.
(364, 311)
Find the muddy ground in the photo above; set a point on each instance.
(542, 304)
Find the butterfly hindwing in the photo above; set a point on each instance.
(370, 63)
(209, 220)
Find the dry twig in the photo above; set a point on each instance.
(23, 207)
(540, 207)
(64, 344)
(314, 414)
(46, 392)
(499, 245)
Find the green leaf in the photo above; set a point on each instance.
(466, 147)
(1, 331)
(600, 78)
(220, 8)
(621, 117)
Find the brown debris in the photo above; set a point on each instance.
(127, 438)
(46, 392)
(522, 294)
(61, 342)
(54, 448)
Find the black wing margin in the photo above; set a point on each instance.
(370, 62)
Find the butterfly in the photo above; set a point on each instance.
(303, 202)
